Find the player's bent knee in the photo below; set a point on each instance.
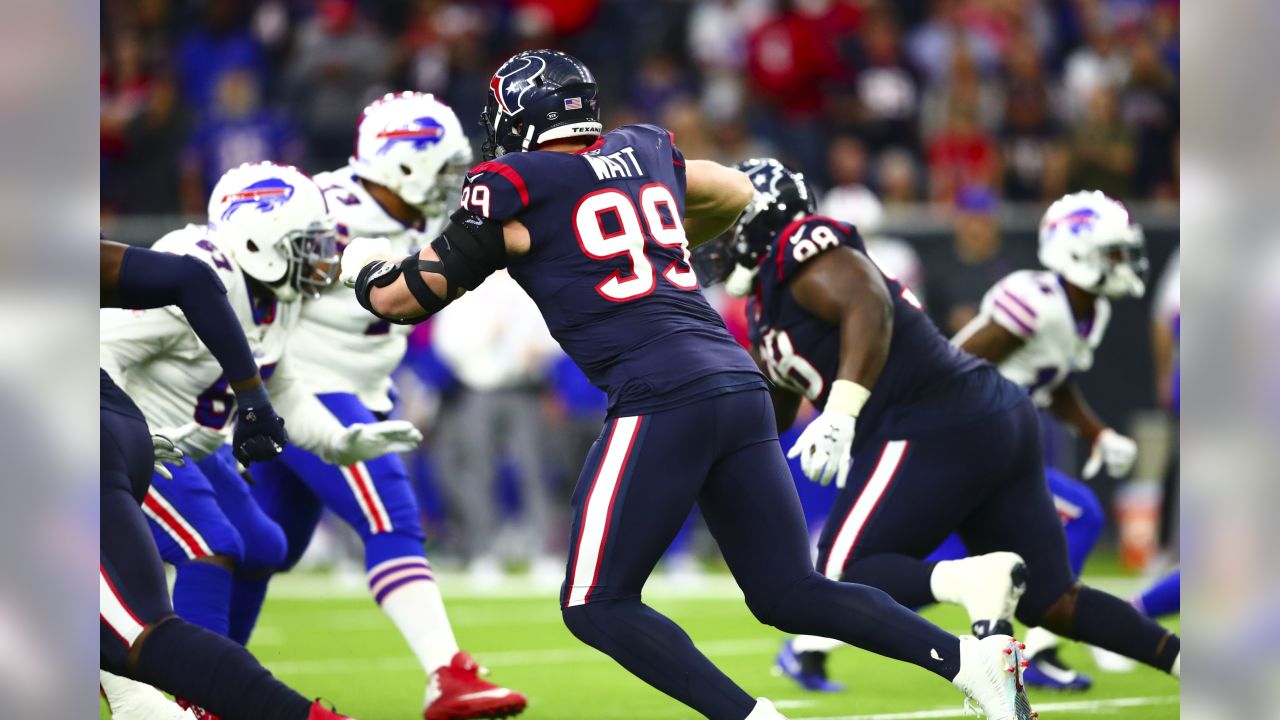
(1057, 616)
(265, 550)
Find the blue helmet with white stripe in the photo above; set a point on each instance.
(538, 96)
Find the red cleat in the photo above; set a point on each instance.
(458, 693)
(199, 712)
(320, 712)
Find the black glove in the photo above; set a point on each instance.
(259, 434)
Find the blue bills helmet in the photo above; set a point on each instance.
(537, 96)
(782, 196)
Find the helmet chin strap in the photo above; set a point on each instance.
(739, 282)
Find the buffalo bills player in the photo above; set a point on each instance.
(924, 438)
(141, 637)
(409, 152)
(269, 241)
(596, 227)
(1041, 328)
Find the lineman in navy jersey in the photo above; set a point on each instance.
(923, 439)
(596, 227)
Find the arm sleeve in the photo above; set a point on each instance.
(1016, 304)
(310, 424)
(150, 279)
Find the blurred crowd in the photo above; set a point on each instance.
(916, 99)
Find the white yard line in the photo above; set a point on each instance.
(1079, 706)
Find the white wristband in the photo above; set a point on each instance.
(847, 398)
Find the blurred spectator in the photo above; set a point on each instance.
(659, 83)
(898, 177)
(339, 66)
(156, 137)
(847, 169)
(961, 155)
(1102, 149)
(684, 120)
(220, 43)
(856, 204)
(1149, 106)
(1032, 143)
(977, 260)
(496, 343)
(965, 86)
(238, 129)
(888, 88)
(934, 43)
(1096, 65)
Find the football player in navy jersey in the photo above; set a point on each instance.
(923, 438)
(141, 637)
(596, 228)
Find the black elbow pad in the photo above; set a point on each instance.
(471, 248)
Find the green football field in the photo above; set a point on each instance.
(334, 643)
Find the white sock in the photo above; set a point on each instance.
(947, 581)
(407, 592)
(1176, 670)
(813, 643)
(1038, 640)
(132, 700)
(764, 710)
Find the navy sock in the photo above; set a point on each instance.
(1163, 598)
(247, 596)
(1113, 624)
(215, 673)
(202, 595)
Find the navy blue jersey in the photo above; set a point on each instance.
(609, 267)
(111, 397)
(926, 380)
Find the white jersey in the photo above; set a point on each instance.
(154, 356)
(1033, 305)
(339, 346)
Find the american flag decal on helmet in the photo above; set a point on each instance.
(573, 103)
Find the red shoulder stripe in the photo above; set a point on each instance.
(507, 172)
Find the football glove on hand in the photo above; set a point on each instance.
(1114, 449)
(363, 442)
(259, 434)
(360, 252)
(196, 441)
(165, 451)
(824, 448)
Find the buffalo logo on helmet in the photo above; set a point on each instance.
(1076, 220)
(264, 195)
(422, 133)
(510, 84)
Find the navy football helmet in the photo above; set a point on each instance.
(782, 196)
(536, 96)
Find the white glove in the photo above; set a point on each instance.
(360, 252)
(1114, 449)
(824, 448)
(165, 451)
(194, 440)
(363, 442)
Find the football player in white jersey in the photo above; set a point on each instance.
(270, 240)
(1041, 328)
(410, 154)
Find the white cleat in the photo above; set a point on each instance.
(764, 710)
(1110, 662)
(987, 586)
(991, 677)
(132, 700)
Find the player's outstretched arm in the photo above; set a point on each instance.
(990, 341)
(411, 289)
(137, 278)
(715, 195)
(844, 288)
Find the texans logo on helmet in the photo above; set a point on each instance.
(510, 83)
(264, 195)
(426, 131)
(1076, 220)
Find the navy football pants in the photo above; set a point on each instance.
(983, 480)
(641, 479)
